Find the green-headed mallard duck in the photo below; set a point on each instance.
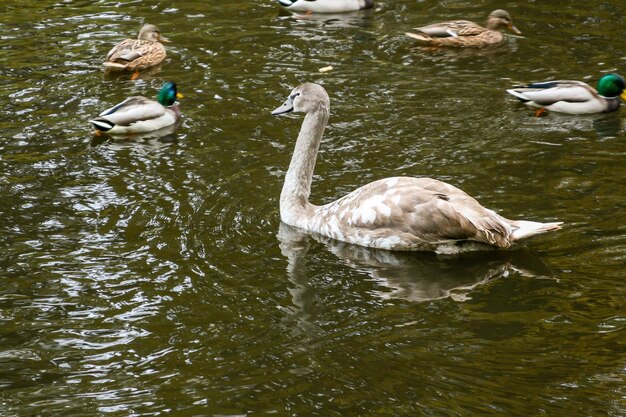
(326, 6)
(136, 54)
(465, 33)
(573, 97)
(398, 213)
(140, 114)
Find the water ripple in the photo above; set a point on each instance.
(145, 277)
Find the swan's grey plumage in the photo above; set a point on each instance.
(398, 213)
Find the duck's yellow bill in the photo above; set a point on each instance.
(514, 29)
(179, 95)
(623, 95)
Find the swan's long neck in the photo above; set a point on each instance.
(294, 199)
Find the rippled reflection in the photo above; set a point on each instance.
(604, 126)
(145, 278)
(408, 276)
(449, 53)
(342, 20)
(159, 137)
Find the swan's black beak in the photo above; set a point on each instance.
(285, 108)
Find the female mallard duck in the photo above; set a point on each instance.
(137, 54)
(573, 97)
(140, 114)
(326, 6)
(465, 33)
(398, 213)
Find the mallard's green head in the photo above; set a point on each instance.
(611, 85)
(168, 94)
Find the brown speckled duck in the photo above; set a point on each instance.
(463, 33)
(137, 54)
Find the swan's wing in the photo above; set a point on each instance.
(427, 210)
(549, 92)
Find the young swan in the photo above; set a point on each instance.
(398, 213)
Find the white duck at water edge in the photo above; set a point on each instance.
(398, 213)
(326, 6)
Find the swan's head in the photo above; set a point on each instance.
(306, 98)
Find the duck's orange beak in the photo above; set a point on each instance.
(515, 30)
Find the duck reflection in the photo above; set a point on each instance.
(411, 276)
(454, 53)
(608, 125)
(116, 75)
(345, 20)
(163, 136)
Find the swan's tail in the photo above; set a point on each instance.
(523, 229)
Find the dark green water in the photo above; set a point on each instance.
(152, 278)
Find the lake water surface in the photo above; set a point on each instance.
(153, 277)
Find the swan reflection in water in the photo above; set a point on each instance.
(411, 276)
